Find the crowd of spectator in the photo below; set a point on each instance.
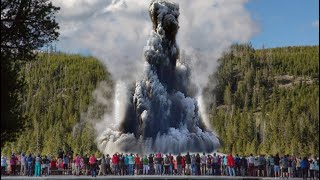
(160, 164)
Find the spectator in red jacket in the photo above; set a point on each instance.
(183, 164)
(231, 164)
(53, 165)
(115, 164)
(137, 163)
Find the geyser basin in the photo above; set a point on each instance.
(161, 114)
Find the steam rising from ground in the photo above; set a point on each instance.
(162, 115)
(116, 31)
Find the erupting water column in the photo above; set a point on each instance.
(161, 115)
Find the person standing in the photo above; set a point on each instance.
(311, 168)
(237, 164)
(304, 167)
(3, 165)
(53, 165)
(171, 164)
(23, 169)
(290, 167)
(219, 165)
(276, 166)
(115, 164)
(37, 166)
(215, 164)
(65, 164)
(70, 157)
(285, 164)
(151, 165)
(203, 164)
(224, 166)
(298, 167)
(183, 162)
(158, 163)
(166, 164)
(108, 162)
(198, 161)
(46, 164)
(102, 169)
(231, 164)
(86, 163)
(126, 164)
(13, 164)
(193, 164)
(209, 165)
(162, 164)
(122, 164)
(131, 164)
(145, 165)
(137, 164)
(256, 166)
(270, 163)
(243, 166)
(251, 165)
(179, 164)
(77, 165)
(294, 166)
(30, 164)
(316, 168)
(188, 164)
(18, 163)
(261, 166)
(93, 165)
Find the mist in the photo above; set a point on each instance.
(116, 32)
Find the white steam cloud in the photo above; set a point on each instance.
(116, 32)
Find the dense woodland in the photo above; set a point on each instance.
(261, 101)
(25, 27)
(58, 91)
(267, 101)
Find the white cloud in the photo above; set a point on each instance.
(116, 31)
(316, 24)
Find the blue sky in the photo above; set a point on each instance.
(285, 22)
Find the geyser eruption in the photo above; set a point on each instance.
(161, 113)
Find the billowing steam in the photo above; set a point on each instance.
(162, 115)
(164, 109)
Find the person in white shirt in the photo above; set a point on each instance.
(23, 169)
(3, 164)
(251, 165)
(203, 164)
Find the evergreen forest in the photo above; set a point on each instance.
(262, 101)
(266, 101)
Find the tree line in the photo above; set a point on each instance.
(58, 90)
(267, 101)
(256, 105)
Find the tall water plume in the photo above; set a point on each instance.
(161, 112)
